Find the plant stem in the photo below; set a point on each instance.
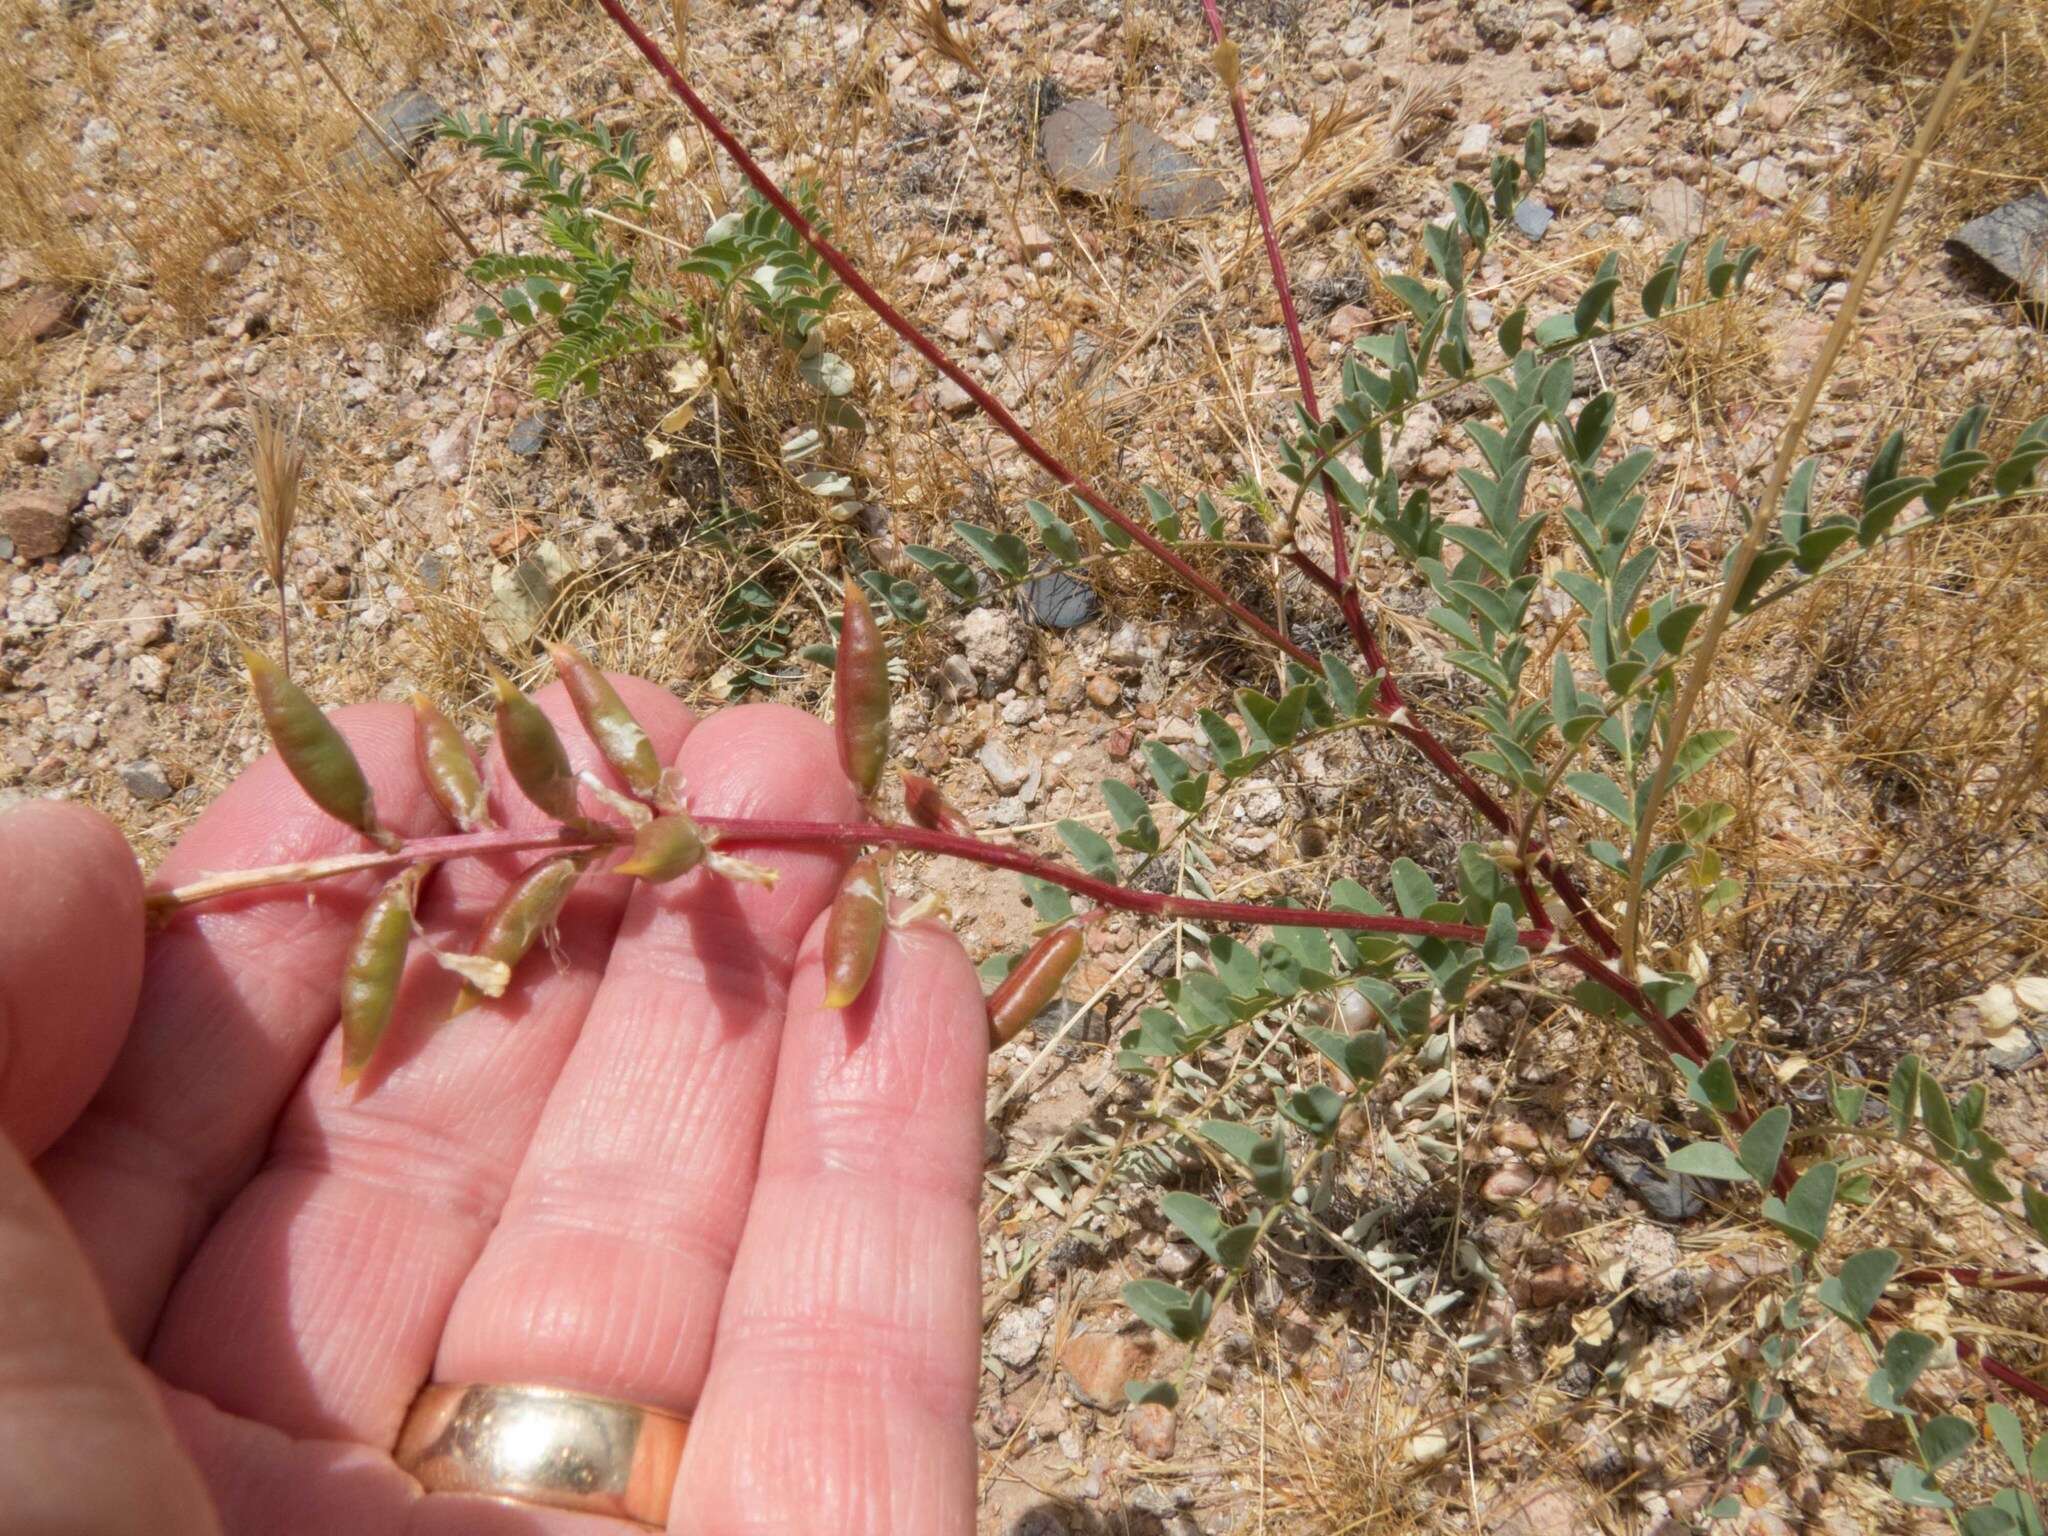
(1781, 469)
(929, 350)
(1338, 580)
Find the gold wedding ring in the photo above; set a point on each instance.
(539, 1445)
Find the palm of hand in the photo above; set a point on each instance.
(656, 1170)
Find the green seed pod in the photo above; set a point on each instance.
(449, 767)
(665, 848)
(313, 751)
(376, 964)
(853, 932)
(610, 723)
(860, 693)
(928, 806)
(534, 753)
(1033, 983)
(525, 912)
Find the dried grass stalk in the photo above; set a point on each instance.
(277, 460)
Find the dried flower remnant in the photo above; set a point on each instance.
(1033, 982)
(610, 723)
(860, 693)
(853, 932)
(449, 767)
(376, 965)
(525, 913)
(929, 808)
(535, 754)
(312, 750)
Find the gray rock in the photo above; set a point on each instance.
(1533, 217)
(1500, 23)
(995, 644)
(1677, 210)
(1018, 1336)
(1624, 47)
(407, 121)
(2011, 244)
(1061, 600)
(1637, 1164)
(146, 782)
(530, 434)
(1088, 150)
(1006, 775)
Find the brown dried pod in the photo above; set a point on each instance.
(535, 754)
(523, 914)
(860, 693)
(376, 965)
(853, 932)
(927, 805)
(449, 767)
(610, 723)
(312, 750)
(1033, 982)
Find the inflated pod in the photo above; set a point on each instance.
(535, 754)
(860, 693)
(664, 849)
(853, 932)
(610, 723)
(449, 767)
(376, 966)
(525, 912)
(1033, 982)
(312, 750)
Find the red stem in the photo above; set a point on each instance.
(929, 350)
(1389, 699)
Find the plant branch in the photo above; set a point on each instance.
(929, 350)
(1781, 469)
(1338, 580)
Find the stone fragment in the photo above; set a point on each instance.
(1500, 23)
(995, 643)
(522, 594)
(44, 312)
(1150, 1427)
(1006, 774)
(1637, 1164)
(2011, 244)
(1533, 217)
(1018, 1336)
(1061, 600)
(1088, 150)
(36, 523)
(1624, 47)
(1677, 211)
(1104, 691)
(1097, 1366)
(1538, 1509)
(145, 781)
(406, 121)
(530, 434)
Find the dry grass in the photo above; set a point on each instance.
(1998, 144)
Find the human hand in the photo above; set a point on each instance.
(655, 1170)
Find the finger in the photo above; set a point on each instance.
(316, 1301)
(606, 1271)
(236, 998)
(70, 963)
(83, 1443)
(842, 1386)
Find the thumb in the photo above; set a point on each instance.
(84, 1443)
(70, 963)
